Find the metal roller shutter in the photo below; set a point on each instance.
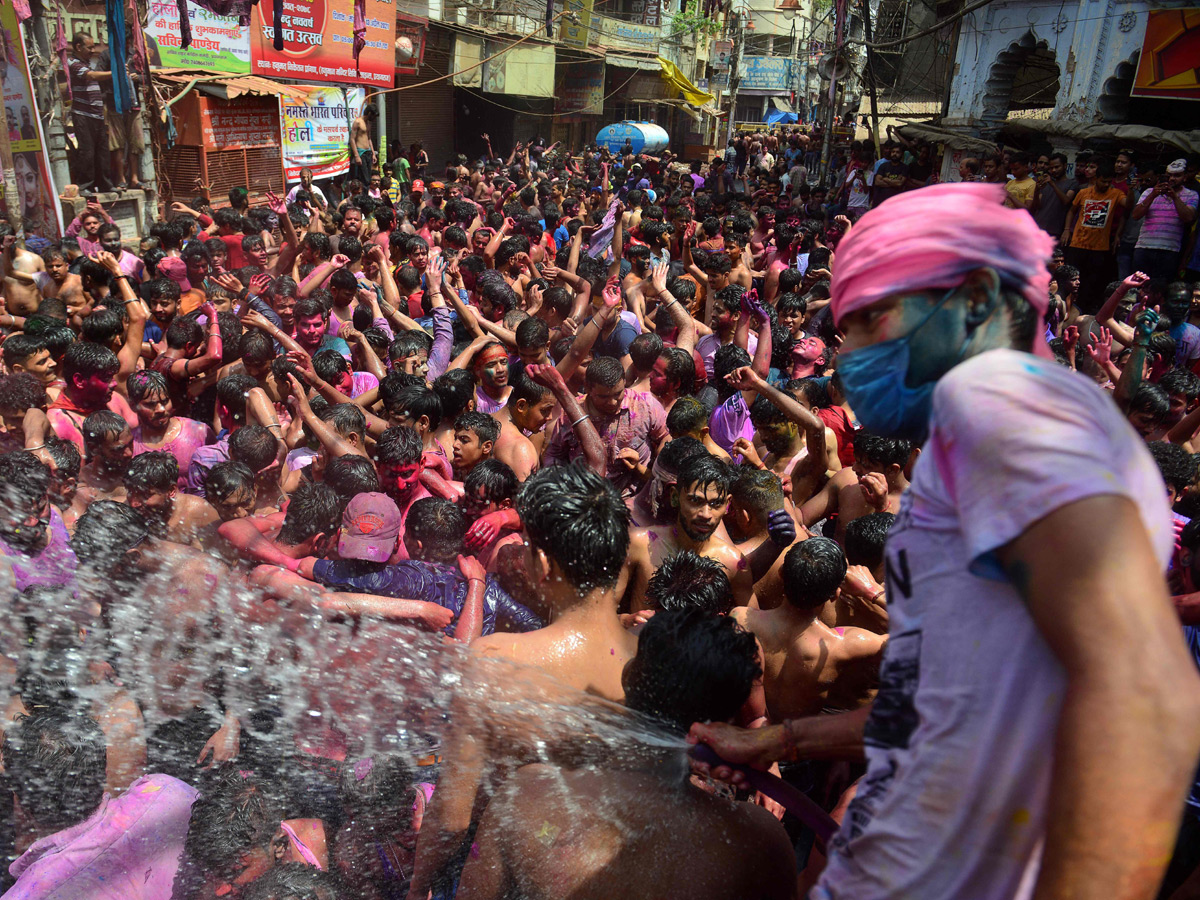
(426, 113)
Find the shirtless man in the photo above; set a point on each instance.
(361, 145)
(23, 271)
(701, 499)
(808, 666)
(589, 833)
(535, 394)
(577, 532)
(89, 371)
(151, 483)
(873, 484)
(107, 450)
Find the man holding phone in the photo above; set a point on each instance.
(1169, 209)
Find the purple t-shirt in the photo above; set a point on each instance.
(1162, 229)
(730, 421)
(128, 849)
(53, 567)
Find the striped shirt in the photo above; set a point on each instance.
(87, 98)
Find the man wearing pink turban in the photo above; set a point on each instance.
(1038, 716)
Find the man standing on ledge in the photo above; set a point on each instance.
(362, 148)
(1038, 717)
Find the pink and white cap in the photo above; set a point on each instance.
(932, 238)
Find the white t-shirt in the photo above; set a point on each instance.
(960, 740)
(315, 191)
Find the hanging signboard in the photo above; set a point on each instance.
(1169, 65)
(39, 211)
(410, 43)
(219, 43)
(576, 23)
(316, 131)
(318, 42)
(722, 52)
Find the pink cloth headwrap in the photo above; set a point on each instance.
(932, 238)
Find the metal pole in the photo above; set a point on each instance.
(839, 10)
(866, 7)
(735, 59)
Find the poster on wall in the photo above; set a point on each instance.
(318, 42)
(1169, 65)
(219, 43)
(40, 214)
(316, 131)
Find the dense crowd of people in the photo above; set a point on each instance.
(345, 537)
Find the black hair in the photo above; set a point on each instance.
(865, 538)
(687, 416)
(329, 364)
(728, 359)
(1176, 381)
(455, 388)
(691, 666)
(86, 359)
(106, 532)
(19, 347)
(645, 349)
(757, 490)
(399, 445)
(812, 572)
(485, 426)
(605, 371)
(312, 509)
(226, 479)
(182, 331)
(525, 388)
(55, 760)
(152, 472)
(232, 391)
(881, 449)
(350, 475)
(706, 472)
(791, 302)
(532, 332)
(233, 815)
(1178, 467)
(1148, 398)
(253, 445)
(579, 520)
(497, 479)
(24, 479)
(687, 580)
(102, 327)
(98, 426)
(409, 343)
(296, 881)
(21, 392)
(346, 418)
(67, 460)
(415, 401)
(439, 525)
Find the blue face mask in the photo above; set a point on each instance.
(873, 380)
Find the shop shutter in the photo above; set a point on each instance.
(425, 113)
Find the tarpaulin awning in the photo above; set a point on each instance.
(1187, 141)
(676, 79)
(779, 117)
(955, 140)
(229, 87)
(783, 105)
(624, 61)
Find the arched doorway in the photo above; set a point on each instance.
(1024, 76)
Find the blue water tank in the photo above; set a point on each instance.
(644, 137)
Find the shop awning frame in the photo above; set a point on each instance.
(226, 87)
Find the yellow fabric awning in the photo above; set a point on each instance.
(671, 75)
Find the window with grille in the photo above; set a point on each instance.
(891, 21)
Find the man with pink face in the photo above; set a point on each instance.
(399, 464)
(90, 373)
(809, 357)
